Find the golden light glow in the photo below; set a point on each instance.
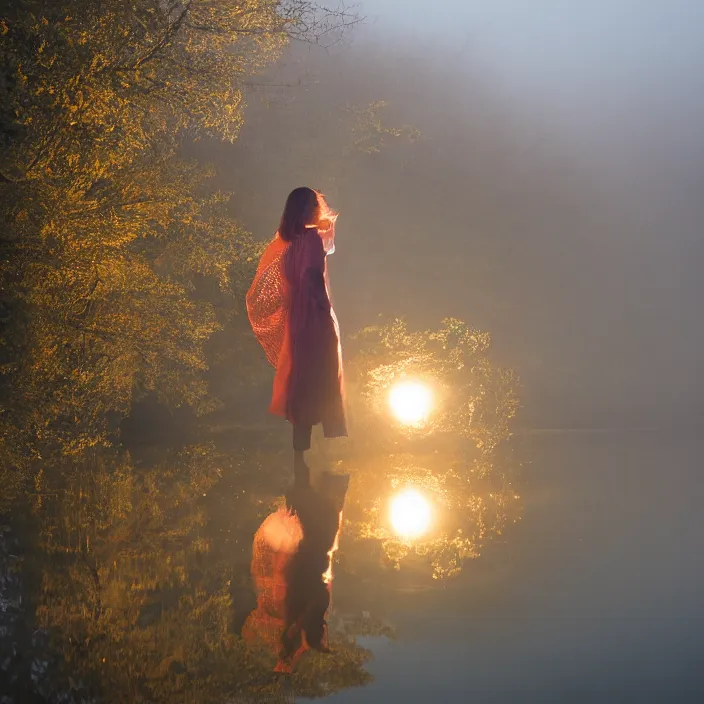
(411, 402)
(327, 575)
(410, 514)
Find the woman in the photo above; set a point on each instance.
(290, 311)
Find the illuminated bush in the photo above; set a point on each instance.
(460, 457)
(473, 397)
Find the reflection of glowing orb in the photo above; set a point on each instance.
(410, 514)
(410, 402)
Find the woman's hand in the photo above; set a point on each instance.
(326, 231)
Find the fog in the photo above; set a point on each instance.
(552, 197)
(534, 169)
(611, 88)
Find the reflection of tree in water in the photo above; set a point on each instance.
(144, 566)
(137, 596)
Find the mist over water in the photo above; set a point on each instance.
(533, 169)
(551, 198)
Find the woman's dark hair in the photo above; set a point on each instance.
(302, 210)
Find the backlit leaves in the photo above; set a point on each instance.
(461, 460)
(108, 236)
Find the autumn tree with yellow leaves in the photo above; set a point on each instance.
(106, 233)
(112, 245)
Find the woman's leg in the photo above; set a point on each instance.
(313, 623)
(301, 443)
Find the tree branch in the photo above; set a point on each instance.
(168, 36)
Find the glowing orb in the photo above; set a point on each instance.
(410, 514)
(410, 402)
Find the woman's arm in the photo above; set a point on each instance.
(314, 270)
(315, 281)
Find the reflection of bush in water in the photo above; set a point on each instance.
(469, 506)
(137, 597)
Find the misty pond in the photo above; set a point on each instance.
(500, 217)
(596, 595)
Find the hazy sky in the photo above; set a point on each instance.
(602, 72)
(559, 42)
(616, 84)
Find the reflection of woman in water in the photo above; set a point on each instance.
(292, 572)
(291, 314)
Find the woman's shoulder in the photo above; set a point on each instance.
(311, 239)
(310, 233)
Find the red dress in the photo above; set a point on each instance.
(291, 315)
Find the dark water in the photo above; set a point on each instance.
(596, 596)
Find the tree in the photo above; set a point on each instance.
(477, 398)
(106, 232)
(111, 247)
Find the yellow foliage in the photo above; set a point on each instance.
(461, 459)
(106, 229)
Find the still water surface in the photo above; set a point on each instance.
(596, 596)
